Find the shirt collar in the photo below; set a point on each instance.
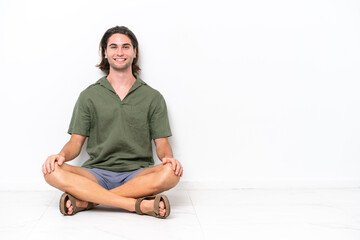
(105, 83)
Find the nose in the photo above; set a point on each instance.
(119, 51)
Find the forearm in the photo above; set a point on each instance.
(72, 148)
(69, 151)
(163, 149)
(165, 154)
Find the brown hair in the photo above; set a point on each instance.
(104, 64)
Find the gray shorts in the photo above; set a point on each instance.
(109, 179)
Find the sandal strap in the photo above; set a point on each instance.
(90, 205)
(73, 203)
(156, 205)
(137, 206)
(157, 200)
(164, 199)
(138, 203)
(79, 209)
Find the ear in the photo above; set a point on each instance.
(105, 54)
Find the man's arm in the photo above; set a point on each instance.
(70, 151)
(165, 154)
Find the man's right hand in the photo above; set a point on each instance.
(49, 164)
(71, 150)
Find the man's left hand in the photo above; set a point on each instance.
(176, 166)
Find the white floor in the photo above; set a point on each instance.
(196, 214)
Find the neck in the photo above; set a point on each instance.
(120, 78)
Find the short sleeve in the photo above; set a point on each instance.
(80, 120)
(159, 121)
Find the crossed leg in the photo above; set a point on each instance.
(83, 185)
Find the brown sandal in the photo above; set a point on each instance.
(63, 209)
(155, 213)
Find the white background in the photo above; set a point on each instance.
(260, 93)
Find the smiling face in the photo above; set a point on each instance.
(120, 53)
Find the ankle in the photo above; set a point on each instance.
(82, 204)
(147, 206)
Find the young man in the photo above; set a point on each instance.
(120, 115)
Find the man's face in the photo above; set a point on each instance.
(120, 52)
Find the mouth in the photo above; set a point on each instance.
(120, 59)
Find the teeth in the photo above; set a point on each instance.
(120, 59)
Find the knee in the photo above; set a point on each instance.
(167, 178)
(55, 178)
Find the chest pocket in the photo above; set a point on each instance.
(135, 117)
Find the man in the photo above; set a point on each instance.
(120, 115)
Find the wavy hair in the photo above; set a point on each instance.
(104, 64)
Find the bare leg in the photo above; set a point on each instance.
(82, 172)
(86, 189)
(83, 185)
(150, 181)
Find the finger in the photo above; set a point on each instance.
(52, 164)
(43, 168)
(61, 160)
(48, 165)
(179, 168)
(181, 171)
(173, 163)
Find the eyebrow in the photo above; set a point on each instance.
(114, 44)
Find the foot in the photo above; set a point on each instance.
(148, 206)
(79, 203)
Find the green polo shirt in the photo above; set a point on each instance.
(120, 131)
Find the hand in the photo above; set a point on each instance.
(49, 164)
(178, 169)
